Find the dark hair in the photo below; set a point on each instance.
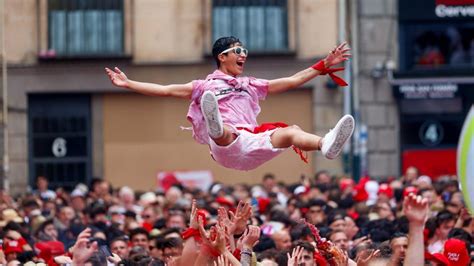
(123, 238)
(268, 176)
(305, 245)
(333, 232)
(267, 254)
(443, 217)
(397, 235)
(40, 231)
(222, 44)
(139, 231)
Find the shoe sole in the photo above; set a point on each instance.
(212, 116)
(345, 128)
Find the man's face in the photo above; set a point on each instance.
(78, 203)
(140, 240)
(316, 215)
(232, 63)
(120, 248)
(154, 251)
(282, 240)
(175, 221)
(384, 211)
(351, 227)
(51, 231)
(269, 184)
(399, 246)
(307, 258)
(42, 183)
(444, 228)
(340, 240)
(66, 214)
(324, 178)
(339, 224)
(411, 174)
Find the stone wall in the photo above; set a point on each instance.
(378, 42)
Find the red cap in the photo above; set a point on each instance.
(385, 189)
(345, 183)
(225, 201)
(263, 204)
(168, 181)
(409, 190)
(49, 249)
(360, 193)
(12, 246)
(438, 258)
(456, 252)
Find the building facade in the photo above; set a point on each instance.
(67, 122)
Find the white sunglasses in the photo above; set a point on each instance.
(237, 50)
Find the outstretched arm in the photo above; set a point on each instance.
(336, 56)
(416, 210)
(119, 79)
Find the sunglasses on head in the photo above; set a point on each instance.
(237, 50)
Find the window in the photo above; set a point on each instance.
(85, 27)
(446, 46)
(260, 24)
(59, 136)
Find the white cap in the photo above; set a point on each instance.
(77, 193)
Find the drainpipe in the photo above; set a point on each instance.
(6, 164)
(347, 102)
(356, 171)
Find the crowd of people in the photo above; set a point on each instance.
(320, 220)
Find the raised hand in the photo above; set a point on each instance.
(117, 77)
(415, 209)
(295, 257)
(194, 223)
(240, 218)
(250, 237)
(222, 260)
(223, 219)
(83, 250)
(366, 256)
(337, 55)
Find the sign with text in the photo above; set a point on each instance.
(428, 91)
(437, 10)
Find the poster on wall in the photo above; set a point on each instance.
(192, 179)
(465, 160)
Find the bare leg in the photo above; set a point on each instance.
(227, 137)
(294, 136)
(330, 145)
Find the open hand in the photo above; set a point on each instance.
(117, 77)
(416, 209)
(337, 55)
(241, 217)
(83, 250)
(295, 257)
(251, 237)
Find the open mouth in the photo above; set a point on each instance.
(240, 63)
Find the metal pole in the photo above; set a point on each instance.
(355, 87)
(347, 108)
(6, 167)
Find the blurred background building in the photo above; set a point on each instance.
(67, 122)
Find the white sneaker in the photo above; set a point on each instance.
(212, 116)
(334, 140)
